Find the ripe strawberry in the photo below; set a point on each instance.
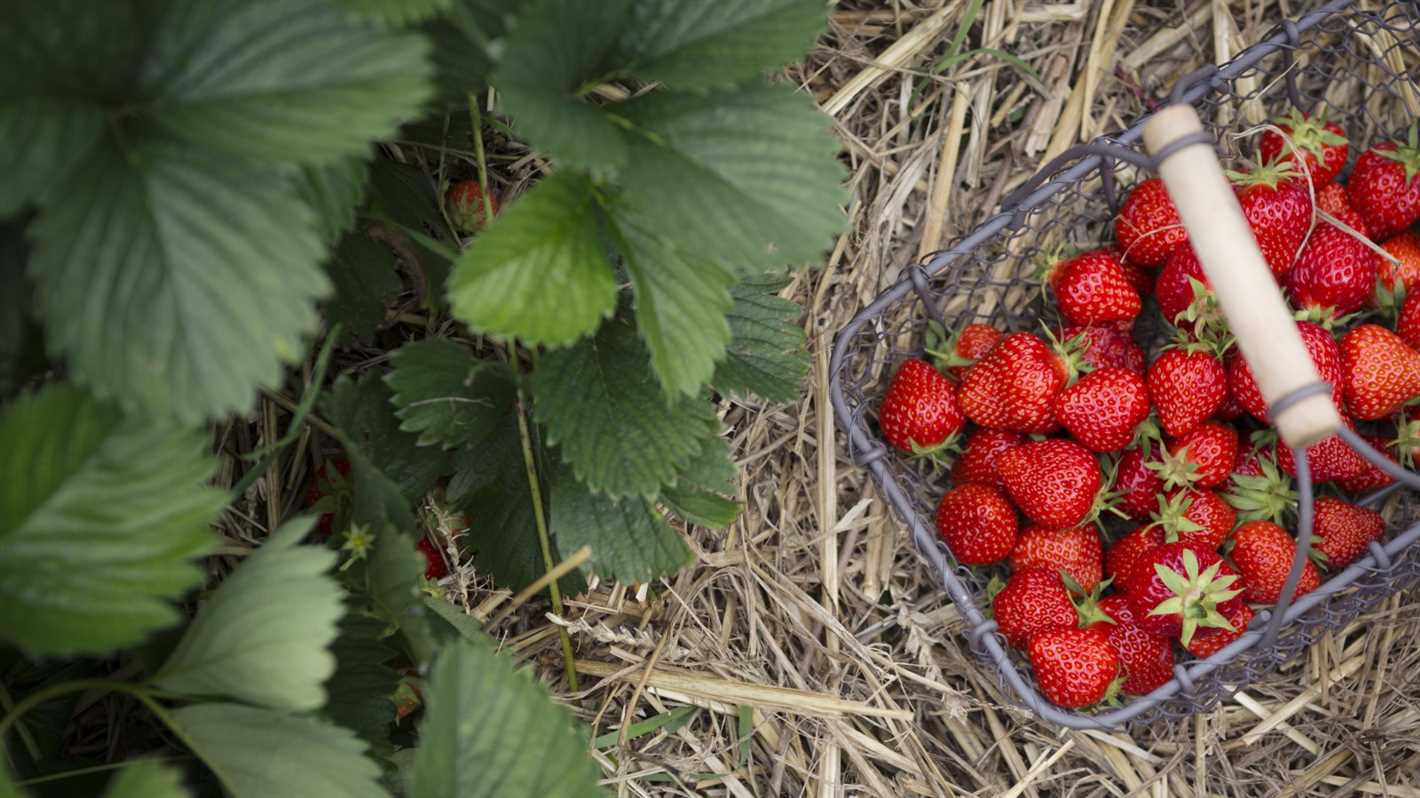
(1330, 459)
(1379, 371)
(1186, 388)
(978, 458)
(434, 566)
(1372, 478)
(1259, 489)
(1201, 458)
(1092, 288)
(1334, 271)
(1055, 482)
(1123, 552)
(1326, 356)
(1140, 277)
(956, 353)
(1317, 148)
(329, 493)
(1012, 388)
(1384, 187)
(1137, 484)
(1148, 228)
(1033, 600)
(1207, 642)
(1076, 551)
(1405, 248)
(1407, 322)
(977, 523)
(920, 411)
(1176, 588)
(1201, 517)
(1263, 553)
(1342, 531)
(1147, 659)
(1231, 410)
(1332, 199)
(1103, 408)
(1278, 208)
(1182, 286)
(1106, 345)
(1075, 668)
(464, 202)
(1251, 458)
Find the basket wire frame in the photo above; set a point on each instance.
(1358, 67)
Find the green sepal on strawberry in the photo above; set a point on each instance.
(1384, 186)
(1397, 272)
(1177, 588)
(920, 413)
(1148, 228)
(1200, 458)
(1341, 532)
(1055, 482)
(977, 523)
(464, 203)
(1263, 553)
(1104, 346)
(1075, 668)
(1317, 149)
(1201, 517)
(1207, 642)
(956, 352)
(1262, 492)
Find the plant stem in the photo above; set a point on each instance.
(540, 519)
(8, 704)
(69, 774)
(56, 690)
(476, 117)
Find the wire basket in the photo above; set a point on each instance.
(1359, 66)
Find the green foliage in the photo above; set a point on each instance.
(630, 541)
(492, 732)
(147, 778)
(701, 487)
(360, 693)
(448, 397)
(766, 354)
(363, 273)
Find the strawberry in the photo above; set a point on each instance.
(1260, 490)
(1148, 228)
(464, 202)
(1371, 478)
(978, 458)
(920, 411)
(1278, 208)
(1405, 271)
(1105, 345)
(1231, 410)
(1013, 386)
(1407, 323)
(1201, 517)
(963, 349)
(1092, 288)
(1076, 551)
(1330, 459)
(977, 523)
(329, 493)
(1263, 553)
(1342, 531)
(434, 566)
(1103, 408)
(1182, 286)
(1207, 642)
(1147, 659)
(1335, 271)
(1326, 356)
(1176, 588)
(1186, 388)
(1332, 199)
(1055, 482)
(1385, 186)
(1201, 458)
(1137, 484)
(1033, 600)
(1123, 552)
(1074, 667)
(1379, 371)
(1140, 277)
(1315, 147)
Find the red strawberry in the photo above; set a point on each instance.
(1278, 208)
(1251, 458)
(1123, 552)
(1092, 288)
(920, 411)
(1137, 484)
(968, 345)
(978, 459)
(1183, 287)
(1317, 148)
(1379, 371)
(977, 523)
(1330, 459)
(1148, 228)
(1186, 388)
(1176, 588)
(464, 202)
(1106, 345)
(1259, 489)
(1103, 408)
(1147, 659)
(1335, 271)
(1207, 642)
(1012, 388)
(1372, 478)
(1342, 531)
(1075, 551)
(1195, 516)
(434, 566)
(1407, 323)
(329, 493)
(1325, 355)
(1332, 199)
(1140, 277)
(1263, 553)
(1384, 187)
(1231, 410)
(1055, 482)
(1405, 248)
(1033, 600)
(1074, 667)
(1201, 458)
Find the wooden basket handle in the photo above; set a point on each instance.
(1246, 290)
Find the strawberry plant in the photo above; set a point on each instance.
(207, 202)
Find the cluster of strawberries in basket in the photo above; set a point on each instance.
(1050, 432)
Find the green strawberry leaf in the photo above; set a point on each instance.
(395, 12)
(463, 42)
(359, 694)
(364, 275)
(630, 541)
(700, 490)
(334, 190)
(447, 396)
(21, 350)
(263, 636)
(766, 354)
(493, 731)
(146, 778)
(259, 753)
(101, 517)
(365, 415)
(602, 405)
(539, 272)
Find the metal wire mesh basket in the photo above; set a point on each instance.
(1357, 63)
